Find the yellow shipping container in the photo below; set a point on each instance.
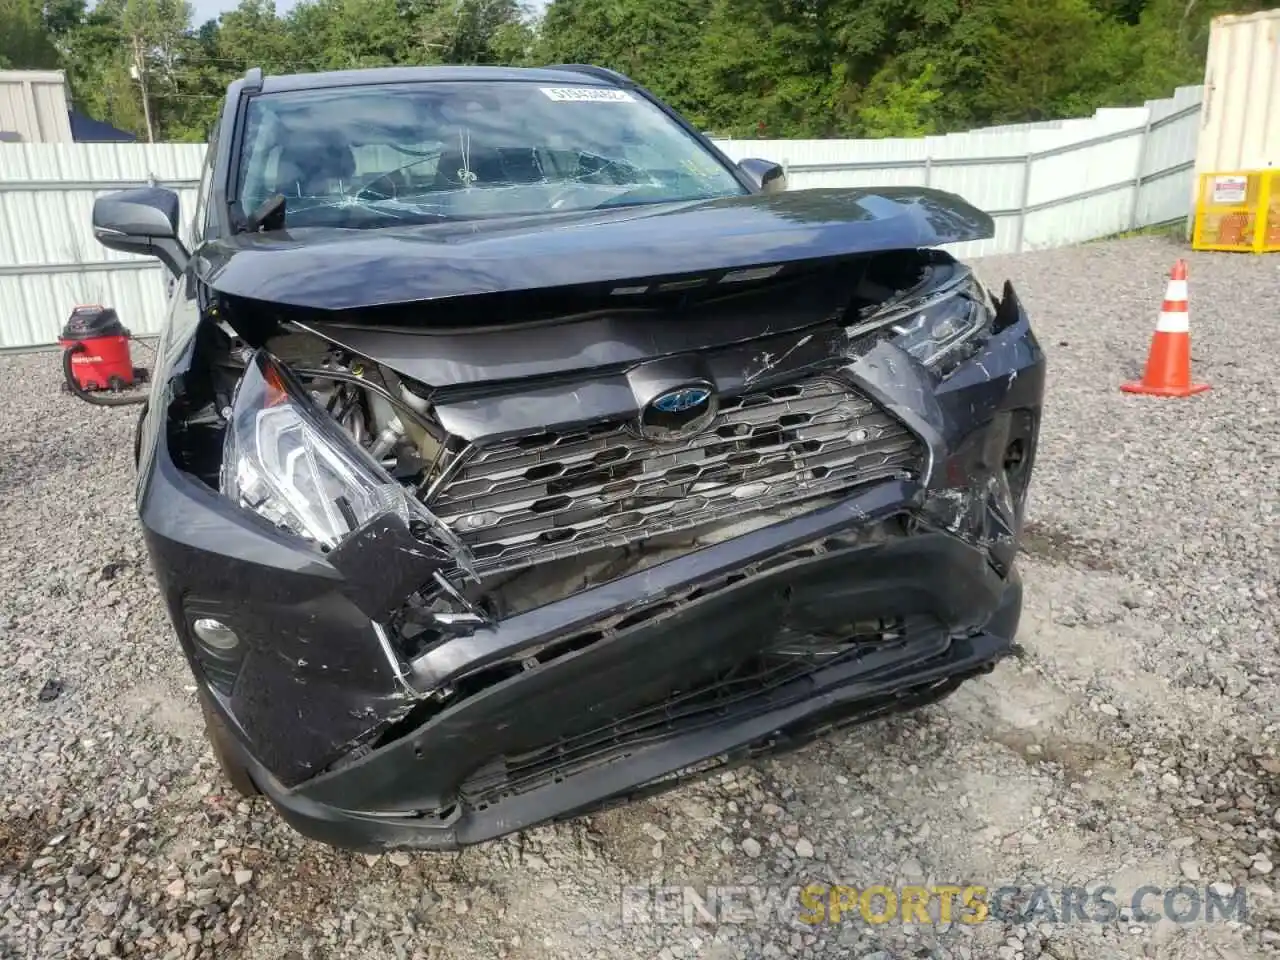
(1239, 210)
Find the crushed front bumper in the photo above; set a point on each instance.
(880, 602)
(614, 719)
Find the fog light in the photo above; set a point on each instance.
(215, 635)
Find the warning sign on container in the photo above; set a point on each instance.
(1230, 189)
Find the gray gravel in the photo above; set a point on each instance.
(1135, 743)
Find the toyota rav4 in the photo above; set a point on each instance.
(512, 452)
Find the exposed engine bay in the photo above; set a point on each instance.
(537, 514)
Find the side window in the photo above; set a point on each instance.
(200, 221)
(260, 156)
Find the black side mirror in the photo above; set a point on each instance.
(144, 221)
(769, 177)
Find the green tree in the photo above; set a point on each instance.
(475, 31)
(1030, 60)
(153, 33)
(776, 68)
(897, 107)
(26, 42)
(655, 42)
(97, 67)
(349, 34)
(252, 35)
(1168, 45)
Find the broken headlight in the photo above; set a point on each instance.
(287, 460)
(941, 327)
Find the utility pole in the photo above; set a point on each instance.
(139, 71)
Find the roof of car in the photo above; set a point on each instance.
(384, 75)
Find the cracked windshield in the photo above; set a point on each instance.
(419, 153)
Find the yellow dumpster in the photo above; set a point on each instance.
(1239, 210)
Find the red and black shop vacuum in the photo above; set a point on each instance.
(96, 362)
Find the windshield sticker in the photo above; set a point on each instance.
(587, 95)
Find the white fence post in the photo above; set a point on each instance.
(1024, 202)
(1139, 172)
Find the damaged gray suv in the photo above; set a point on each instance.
(512, 452)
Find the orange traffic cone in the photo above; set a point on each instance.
(1168, 371)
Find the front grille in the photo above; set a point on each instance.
(762, 682)
(548, 496)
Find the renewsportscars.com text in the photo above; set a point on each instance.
(826, 904)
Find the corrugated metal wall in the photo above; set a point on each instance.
(1046, 184)
(1240, 127)
(33, 105)
(49, 260)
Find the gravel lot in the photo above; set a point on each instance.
(1135, 743)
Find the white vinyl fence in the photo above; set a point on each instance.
(1046, 184)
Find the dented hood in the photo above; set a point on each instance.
(344, 269)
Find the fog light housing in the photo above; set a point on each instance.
(1020, 455)
(216, 646)
(215, 635)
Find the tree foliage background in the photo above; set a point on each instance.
(775, 68)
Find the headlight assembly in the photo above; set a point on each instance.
(287, 460)
(941, 327)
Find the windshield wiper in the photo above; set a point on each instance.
(635, 197)
(269, 215)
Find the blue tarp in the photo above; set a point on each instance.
(87, 130)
